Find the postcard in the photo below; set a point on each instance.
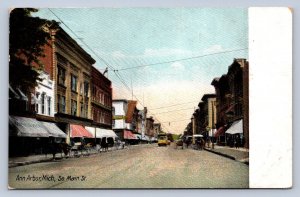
(149, 98)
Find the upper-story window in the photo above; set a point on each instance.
(113, 111)
(43, 102)
(49, 106)
(61, 104)
(86, 89)
(37, 105)
(61, 75)
(81, 89)
(73, 107)
(74, 83)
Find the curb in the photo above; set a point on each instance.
(222, 154)
(227, 156)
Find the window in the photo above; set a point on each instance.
(37, 105)
(81, 89)
(86, 110)
(74, 83)
(49, 106)
(86, 89)
(58, 103)
(81, 110)
(73, 107)
(61, 104)
(43, 102)
(61, 74)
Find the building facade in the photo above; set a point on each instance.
(101, 100)
(232, 90)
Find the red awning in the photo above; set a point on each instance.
(79, 131)
(129, 135)
(220, 131)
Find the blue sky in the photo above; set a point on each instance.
(129, 37)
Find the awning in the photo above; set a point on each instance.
(100, 133)
(53, 130)
(236, 127)
(129, 135)
(12, 93)
(91, 130)
(26, 127)
(138, 136)
(146, 138)
(79, 131)
(220, 131)
(23, 96)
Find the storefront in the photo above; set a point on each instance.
(29, 136)
(234, 135)
(78, 134)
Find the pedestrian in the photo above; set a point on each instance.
(236, 142)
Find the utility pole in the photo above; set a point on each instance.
(131, 89)
(212, 124)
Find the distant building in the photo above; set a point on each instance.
(123, 118)
(150, 127)
(210, 115)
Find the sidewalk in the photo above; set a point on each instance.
(240, 154)
(21, 161)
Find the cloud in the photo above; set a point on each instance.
(177, 66)
(214, 49)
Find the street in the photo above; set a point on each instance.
(142, 166)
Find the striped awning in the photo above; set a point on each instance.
(79, 131)
(26, 127)
(53, 130)
(129, 135)
(100, 132)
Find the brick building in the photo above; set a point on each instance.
(101, 99)
(232, 90)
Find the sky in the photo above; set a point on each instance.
(184, 48)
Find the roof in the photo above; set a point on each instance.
(65, 36)
(215, 81)
(206, 96)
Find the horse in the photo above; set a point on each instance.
(179, 143)
(104, 144)
(54, 148)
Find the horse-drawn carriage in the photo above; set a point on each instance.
(188, 140)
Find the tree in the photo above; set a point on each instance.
(26, 41)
